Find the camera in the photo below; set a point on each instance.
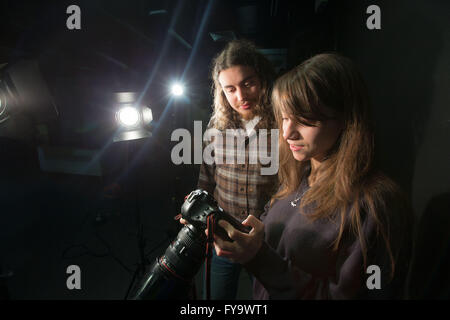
(171, 275)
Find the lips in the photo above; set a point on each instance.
(245, 105)
(296, 147)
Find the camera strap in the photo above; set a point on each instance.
(209, 246)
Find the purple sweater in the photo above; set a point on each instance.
(297, 260)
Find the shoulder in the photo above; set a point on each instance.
(381, 190)
(380, 182)
(385, 207)
(391, 214)
(388, 204)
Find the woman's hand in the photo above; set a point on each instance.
(244, 246)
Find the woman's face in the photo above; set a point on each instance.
(310, 142)
(242, 88)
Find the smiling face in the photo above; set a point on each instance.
(310, 141)
(242, 88)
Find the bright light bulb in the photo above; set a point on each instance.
(177, 89)
(128, 116)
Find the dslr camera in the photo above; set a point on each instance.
(171, 275)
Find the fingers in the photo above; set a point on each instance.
(220, 243)
(223, 244)
(223, 248)
(253, 222)
(244, 246)
(233, 233)
(183, 221)
(223, 253)
(226, 249)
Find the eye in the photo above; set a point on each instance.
(285, 120)
(229, 89)
(308, 123)
(250, 83)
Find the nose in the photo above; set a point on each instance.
(241, 94)
(290, 131)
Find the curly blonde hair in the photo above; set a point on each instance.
(243, 53)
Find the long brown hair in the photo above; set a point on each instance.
(348, 186)
(244, 53)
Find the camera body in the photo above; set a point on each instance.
(199, 205)
(171, 275)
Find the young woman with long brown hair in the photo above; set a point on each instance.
(335, 214)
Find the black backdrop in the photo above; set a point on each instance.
(52, 219)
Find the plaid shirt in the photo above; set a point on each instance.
(238, 187)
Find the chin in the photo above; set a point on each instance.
(300, 157)
(247, 115)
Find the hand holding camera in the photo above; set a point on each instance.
(238, 246)
(236, 241)
(243, 246)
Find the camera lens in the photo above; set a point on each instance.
(170, 276)
(187, 252)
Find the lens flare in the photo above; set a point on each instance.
(177, 89)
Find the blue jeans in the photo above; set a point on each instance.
(224, 278)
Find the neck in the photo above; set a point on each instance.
(315, 167)
(248, 117)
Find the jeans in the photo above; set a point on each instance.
(224, 278)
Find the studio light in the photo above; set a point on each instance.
(4, 112)
(177, 89)
(134, 121)
(25, 99)
(6, 99)
(128, 116)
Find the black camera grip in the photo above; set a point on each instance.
(221, 232)
(235, 223)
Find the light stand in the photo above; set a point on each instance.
(141, 241)
(134, 122)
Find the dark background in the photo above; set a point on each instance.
(83, 203)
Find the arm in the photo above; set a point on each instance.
(283, 279)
